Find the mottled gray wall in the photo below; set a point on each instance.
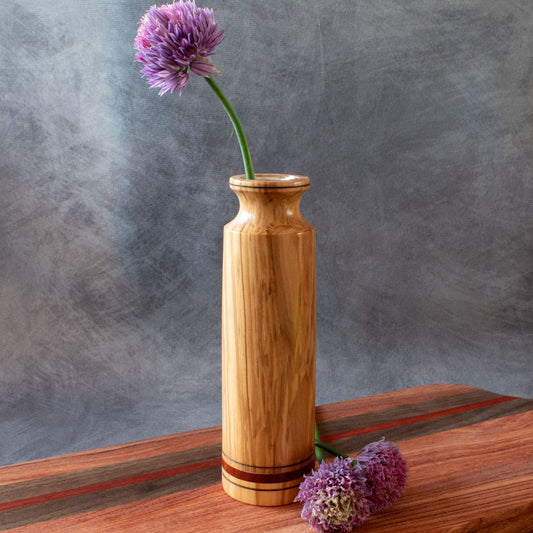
(414, 120)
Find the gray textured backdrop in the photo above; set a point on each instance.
(414, 120)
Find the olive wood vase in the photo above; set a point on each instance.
(268, 342)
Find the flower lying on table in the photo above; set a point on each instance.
(385, 472)
(334, 497)
(342, 494)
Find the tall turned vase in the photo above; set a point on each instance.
(268, 342)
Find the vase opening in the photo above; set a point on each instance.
(270, 181)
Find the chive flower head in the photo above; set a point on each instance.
(334, 497)
(173, 40)
(385, 472)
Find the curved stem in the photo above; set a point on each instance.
(245, 151)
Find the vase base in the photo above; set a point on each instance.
(261, 485)
(264, 495)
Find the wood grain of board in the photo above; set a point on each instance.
(470, 457)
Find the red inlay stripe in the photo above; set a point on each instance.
(113, 484)
(275, 478)
(417, 418)
(141, 478)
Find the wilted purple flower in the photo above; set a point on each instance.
(173, 39)
(334, 497)
(385, 471)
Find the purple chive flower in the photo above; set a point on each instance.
(334, 497)
(174, 39)
(385, 471)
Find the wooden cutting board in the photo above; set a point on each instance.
(469, 451)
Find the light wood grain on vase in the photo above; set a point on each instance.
(268, 342)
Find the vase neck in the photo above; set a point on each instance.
(270, 201)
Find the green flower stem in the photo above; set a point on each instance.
(246, 158)
(319, 446)
(318, 451)
(329, 449)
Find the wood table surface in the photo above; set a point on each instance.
(469, 452)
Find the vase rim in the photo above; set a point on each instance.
(270, 180)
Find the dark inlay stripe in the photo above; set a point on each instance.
(303, 461)
(417, 418)
(96, 501)
(292, 487)
(403, 411)
(99, 487)
(283, 477)
(413, 430)
(100, 474)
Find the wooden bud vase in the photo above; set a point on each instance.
(268, 342)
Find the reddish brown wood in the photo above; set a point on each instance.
(470, 457)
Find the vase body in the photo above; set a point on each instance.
(268, 342)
